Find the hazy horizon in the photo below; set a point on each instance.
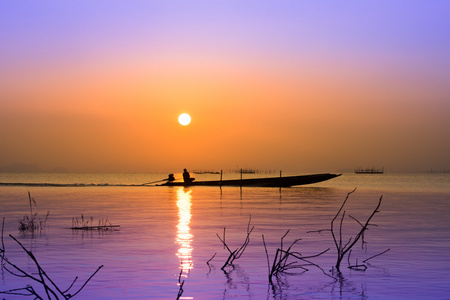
(289, 85)
(26, 168)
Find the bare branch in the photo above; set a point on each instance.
(377, 255)
(236, 254)
(52, 291)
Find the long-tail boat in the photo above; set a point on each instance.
(286, 181)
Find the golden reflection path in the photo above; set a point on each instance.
(184, 236)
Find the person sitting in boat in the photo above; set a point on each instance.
(187, 177)
(171, 178)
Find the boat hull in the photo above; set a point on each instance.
(260, 182)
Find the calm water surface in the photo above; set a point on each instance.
(168, 235)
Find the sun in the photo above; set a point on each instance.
(184, 119)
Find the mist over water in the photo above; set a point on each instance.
(165, 232)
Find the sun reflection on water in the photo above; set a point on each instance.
(184, 236)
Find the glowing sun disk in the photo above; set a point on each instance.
(184, 119)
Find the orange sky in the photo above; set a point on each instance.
(263, 92)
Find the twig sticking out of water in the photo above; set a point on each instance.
(180, 290)
(236, 254)
(381, 253)
(32, 222)
(180, 282)
(281, 263)
(2, 249)
(208, 262)
(52, 291)
(343, 249)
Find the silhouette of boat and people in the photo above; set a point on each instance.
(286, 181)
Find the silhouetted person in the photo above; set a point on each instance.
(171, 178)
(187, 177)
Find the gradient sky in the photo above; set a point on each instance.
(302, 86)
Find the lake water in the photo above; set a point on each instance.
(168, 234)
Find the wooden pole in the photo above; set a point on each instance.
(280, 179)
(241, 177)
